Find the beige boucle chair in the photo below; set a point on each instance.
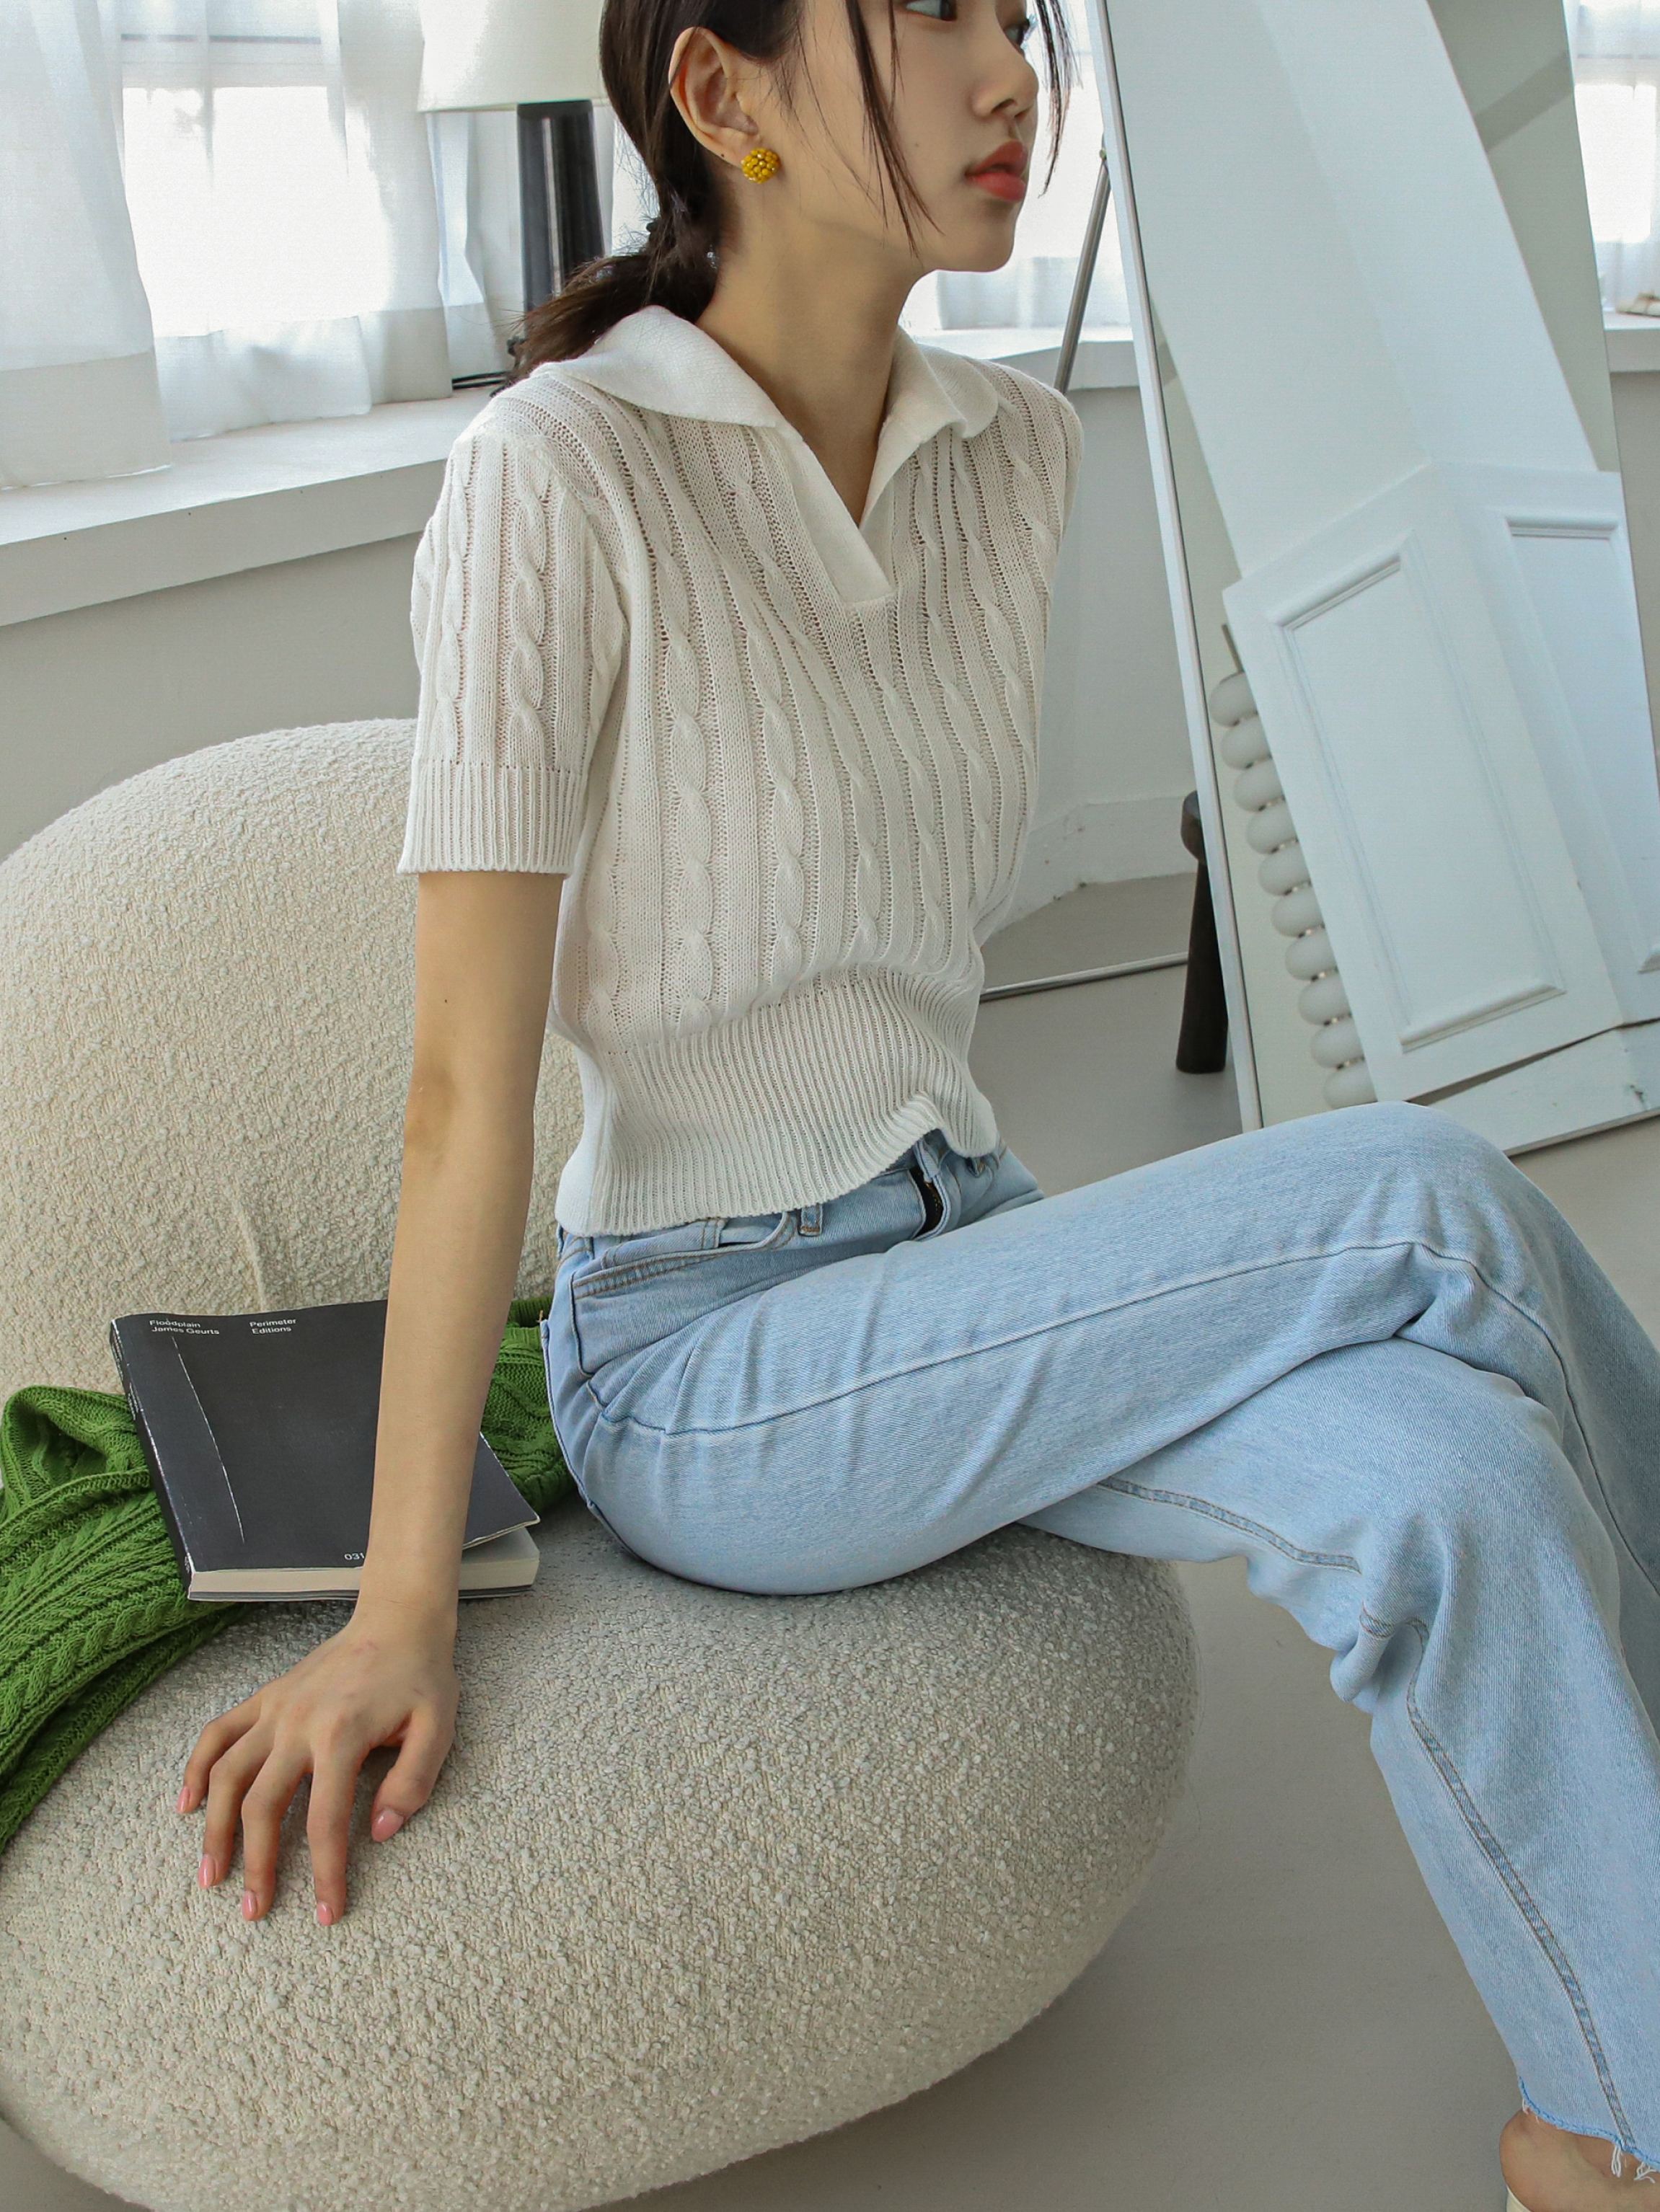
(705, 1872)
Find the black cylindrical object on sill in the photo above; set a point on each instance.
(559, 217)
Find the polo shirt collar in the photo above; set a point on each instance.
(657, 358)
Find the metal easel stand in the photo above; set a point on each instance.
(1086, 275)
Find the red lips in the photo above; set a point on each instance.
(1012, 155)
(1003, 174)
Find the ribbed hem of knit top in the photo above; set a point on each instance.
(802, 1099)
(473, 814)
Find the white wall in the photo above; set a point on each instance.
(93, 696)
(1113, 750)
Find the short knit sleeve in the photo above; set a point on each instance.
(519, 633)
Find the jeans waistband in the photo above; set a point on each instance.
(925, 1157)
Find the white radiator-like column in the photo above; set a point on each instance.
(1285, 875)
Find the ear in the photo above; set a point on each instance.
(708, 80)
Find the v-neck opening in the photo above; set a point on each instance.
(656, 359)
(852, 567)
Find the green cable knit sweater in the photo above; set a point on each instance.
(92, 1608)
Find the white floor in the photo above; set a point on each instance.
(1281, 2023)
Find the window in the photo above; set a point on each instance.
(283, 206)
(1617, 94)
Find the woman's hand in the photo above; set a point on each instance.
(388, 1677)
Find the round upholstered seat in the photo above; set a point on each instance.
(704, 1873)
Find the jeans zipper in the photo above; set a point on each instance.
(933, 1209)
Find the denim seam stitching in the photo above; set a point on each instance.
(1122, 1484)
(1543, 1934)
(1120, 1305)
(643, 1271)
(1199, 1281)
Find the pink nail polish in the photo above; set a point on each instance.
(204, 1872)
(184, 1799)
(250, 1904)
(326, 1916)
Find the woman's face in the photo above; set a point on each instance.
(962, 93)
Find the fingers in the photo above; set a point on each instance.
(344, 1699)
(255, 1778)
(216, 1738)
(404, 1790)
(249, 1784)
(263, 1808)
(333, 1789)
(233, 1771)
(408, 1781)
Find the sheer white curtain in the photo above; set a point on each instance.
(281, 194)
(475, 162)
(1617, 93)
(220, 213)
(78, 390)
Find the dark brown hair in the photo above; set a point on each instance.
(675, 266)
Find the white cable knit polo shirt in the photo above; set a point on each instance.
(786, 761)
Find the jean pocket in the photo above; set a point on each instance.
(762, 1232)
(620, 1263)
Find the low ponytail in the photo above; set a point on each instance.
(675, 268)
(678, 264)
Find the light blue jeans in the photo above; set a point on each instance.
(1362, 1349)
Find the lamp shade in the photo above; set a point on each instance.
(508, 53)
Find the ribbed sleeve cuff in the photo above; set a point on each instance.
(473, 814)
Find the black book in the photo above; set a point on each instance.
(259, 1431)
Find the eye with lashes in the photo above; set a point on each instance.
(945, 12)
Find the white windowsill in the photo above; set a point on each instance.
(280, 492)
(287, 490)
(1634, 341)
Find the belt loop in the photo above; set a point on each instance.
(810, 1219)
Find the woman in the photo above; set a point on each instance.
(731, 612)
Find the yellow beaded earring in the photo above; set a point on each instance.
(760, 163)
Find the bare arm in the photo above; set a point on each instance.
(483, 970)
(484, 967)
